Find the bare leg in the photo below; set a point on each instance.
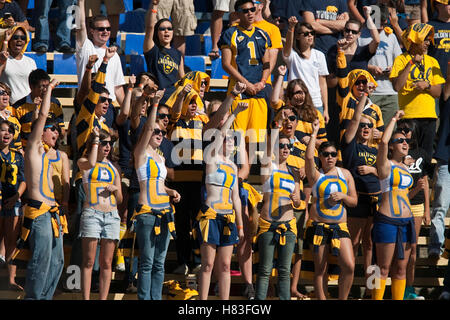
(320, 272)
(244, 249)
(208, 255)
(216, 30)
(347, 266)
(107, 248)
(410, 271)
(89, 247)
(222, 266)
(12, 224)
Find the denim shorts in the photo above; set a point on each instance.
(387, 233)
(16, 211)
(100, 225)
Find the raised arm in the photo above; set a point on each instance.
(4, 54)
(278, 86)
(81, 33)
(88, 161)
(35, 136)
(353, 125)
(351, 4)
(310, 165)
(373, 45)
(214, 121)
(383, 166)
(85, 85)
(125, 107)
(150, 20)
(149, 126)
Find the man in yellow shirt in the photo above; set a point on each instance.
(417, 78)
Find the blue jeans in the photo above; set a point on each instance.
(266, 247)
(47, 260)
(42, 35)
(440, 206)
(152, 255)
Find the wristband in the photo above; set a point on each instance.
(154, 10)
(105, 60)
(130, 88)
(411, 62)
(239, 227)
(88, 68)
(292, 30)
(234, 94)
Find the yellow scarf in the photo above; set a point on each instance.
(280, 230)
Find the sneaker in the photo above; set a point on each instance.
(66, 49)
(41, 49)
(413, 296)
(445, 295)
(2, 260)
(181, 269)
(249, 291)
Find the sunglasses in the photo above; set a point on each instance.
(351, 31)
(104, 143)
(252, 9)
(53, 128)
(165, 28)
(358, 82)
(363, 125)
(163, 115)
(292, 118)
(326, 154)
(104, 99)
(404, 130)
(203, 83)
(285, 145)
(17, 37)
(159, 131)
(4, 93)
(401, 140)
(308, 33)
(101, 29)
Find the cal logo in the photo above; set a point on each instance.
(445, 44)
(168, 64)
(240, 38)
(332, 9)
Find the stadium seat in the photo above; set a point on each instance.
(30, 4)
(202, 27)
(137, 64)
(64, 64)
(194, 45)
(39, 58)
(128, 4)
(134, 44)
(195, 63)
(217, 71)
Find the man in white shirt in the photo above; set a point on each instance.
(100, 31)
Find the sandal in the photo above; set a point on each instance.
(15, 287)
(214, 54)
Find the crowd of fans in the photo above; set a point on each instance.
(339, 107)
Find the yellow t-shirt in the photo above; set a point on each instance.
(275, 36)
(417, 104)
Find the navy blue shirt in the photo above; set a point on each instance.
(125, 147)
(326, 10)
(14, 9)
(283, 10)
(163, 63)
(441, 49)
(358, 61)
(12, 173)
(356, 154)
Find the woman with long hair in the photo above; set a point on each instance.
(359, 156)
(306, 63)
(163, 60)
(277, 230)
(100, 220)
(219, 226)
(333, 189)
(154, 212)
(393, 229)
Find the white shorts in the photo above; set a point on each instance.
(223, 5)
